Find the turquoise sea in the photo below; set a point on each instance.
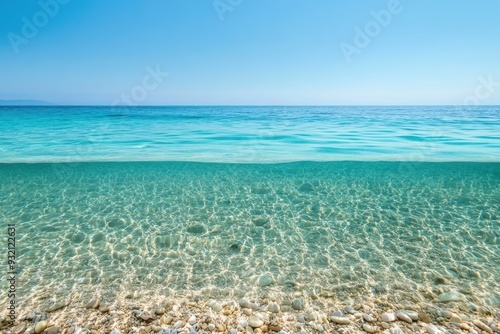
(399, 204)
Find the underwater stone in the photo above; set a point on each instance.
(412, 314)
(237, 247)
(165, 241)
(403, 316)
(265, 280)
(53, 330)
(245, 303)
(92, 304)
(306, 187)
(452, 296)
(482, 326)
(40, 326)
(297, 304)
(350, 310)
(57, 306)
(258, 221)
(273, 307)
(197, 229)
(214, 305)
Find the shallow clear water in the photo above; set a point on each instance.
(396, 231)
(401, 230)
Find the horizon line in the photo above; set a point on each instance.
(248, 105)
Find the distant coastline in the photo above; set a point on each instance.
(25, 103)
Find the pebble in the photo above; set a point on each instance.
(255, 322)
(385, 325)
(53, 330)
(464, 317)
(246, 311)
(115, 331)
(197, 229)
(297, 304)
(57, 306)
(388, 317)
(16, 329)
(273, 308)
(433, 329)
(214, 305)
(40, 326)
(395, 330)
(265, 280)
(350, 310)
(446, 314)
(452, 296)
(327, 294)
(482, 326)
(412, 314)
(245, 303)
(300, 318)
(275, 328)
(338, 314)
(403, 316)
(370, 328)
(211, 327)
(340, 320)
(159, 310)
(306, 187)
(368, 317)
(192, 320)
(257, 331)
(92, 304)
(166, 320)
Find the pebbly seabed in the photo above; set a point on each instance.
(302, 314)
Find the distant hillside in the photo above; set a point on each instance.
(24, 103)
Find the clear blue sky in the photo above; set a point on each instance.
(262, 52)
